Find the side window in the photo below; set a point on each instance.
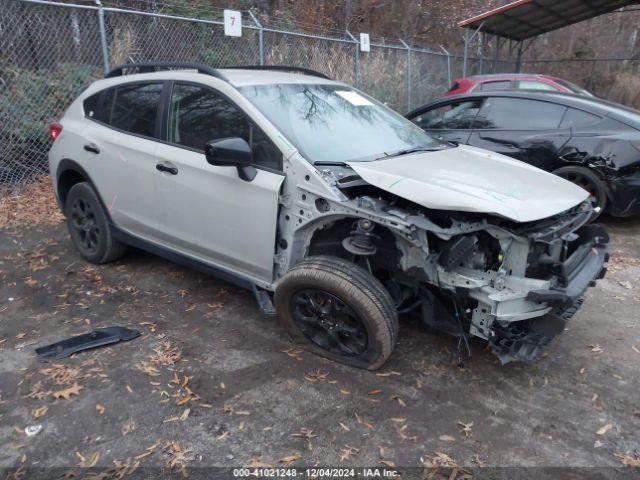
(91, 105)
(453, 116)
(198, 115)
(99, 105)
(533, 85)
(577, 118)
(461, 115)
(519, 114)
(135, 108)
(498, 85)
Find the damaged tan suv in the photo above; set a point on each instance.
(336, 211)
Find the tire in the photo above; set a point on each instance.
(585, 178)
(363, 321)
(89, 227)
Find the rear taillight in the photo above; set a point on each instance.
(55, 129)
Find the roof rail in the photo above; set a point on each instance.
(281, 68)
(146, 67)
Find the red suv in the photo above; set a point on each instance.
(512, 81)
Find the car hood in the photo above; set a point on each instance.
(470, 179)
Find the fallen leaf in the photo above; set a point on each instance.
(387, 463)
(375, 392)
(39, 412)
(289, 459)
(446, 438)
(595, 348)
(626, 285)
(347, 452)
(466, 427)
(605, 429)
(628, 460)
(67, 392)
(304, 433)
(100, 409)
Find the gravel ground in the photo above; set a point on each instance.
(210, 383)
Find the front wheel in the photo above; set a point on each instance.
(589, 181)
(339, 310)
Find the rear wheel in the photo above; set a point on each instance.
(89, 227)
(338, 310)
(586, 179)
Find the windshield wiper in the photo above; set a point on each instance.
(337, 164)
(411, 150)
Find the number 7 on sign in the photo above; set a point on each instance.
(233, 23)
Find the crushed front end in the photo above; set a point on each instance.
(519, 284)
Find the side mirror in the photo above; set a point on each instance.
(231, 152)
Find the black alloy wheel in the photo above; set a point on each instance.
(329, 322)
(89, 225)
(587, 180)
(85, 225)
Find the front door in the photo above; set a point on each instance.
(528, 130)
(209, 212)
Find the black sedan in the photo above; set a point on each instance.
(591, 142)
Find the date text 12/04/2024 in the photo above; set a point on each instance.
(318, 473)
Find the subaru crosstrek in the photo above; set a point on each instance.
(336, 211)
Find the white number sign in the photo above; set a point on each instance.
(233, 23)
(365, 46)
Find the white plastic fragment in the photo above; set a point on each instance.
(33, 430)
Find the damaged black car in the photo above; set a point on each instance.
(589, 141)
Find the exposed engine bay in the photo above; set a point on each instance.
(513, 284)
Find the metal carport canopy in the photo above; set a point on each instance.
(528, 18)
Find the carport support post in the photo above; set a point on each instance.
(466, 54)
(519, 57)
(356, 67)
(408, 74)
(260, 36)
(103, 38)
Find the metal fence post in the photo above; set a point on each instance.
(260, 36)
(448, 64)
(103, 38)
(408, 74)
(356, 67)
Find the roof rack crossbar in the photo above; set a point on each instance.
(281, 68)
(146, 67)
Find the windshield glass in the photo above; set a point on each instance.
(334, 123)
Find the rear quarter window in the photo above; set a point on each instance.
(98, 106)
(575, 118)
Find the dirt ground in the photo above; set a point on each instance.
(210, 383)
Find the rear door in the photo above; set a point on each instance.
(450, 121)
(525, 129)
(209, 212)
(119, 147)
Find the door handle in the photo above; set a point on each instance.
(92, 147)
(164, 168)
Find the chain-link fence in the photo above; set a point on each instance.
(50, 51)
